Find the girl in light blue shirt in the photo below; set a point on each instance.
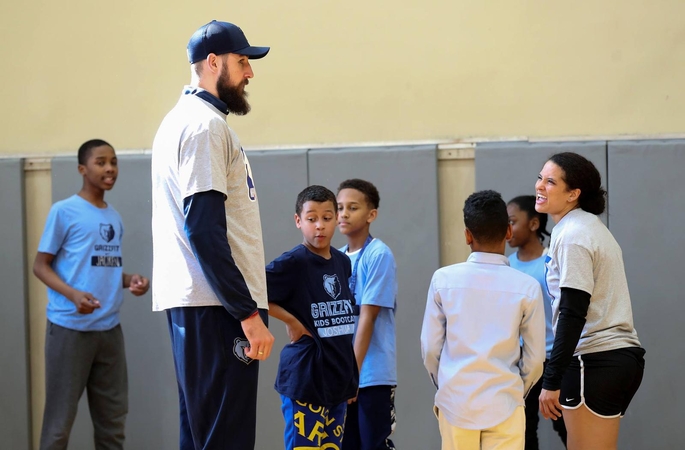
(529, 229)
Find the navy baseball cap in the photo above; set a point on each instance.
(220, 38)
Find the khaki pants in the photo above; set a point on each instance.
(508, 435)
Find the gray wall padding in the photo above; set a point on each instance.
(408, 222)
(152, 421)
(14, 355)
(511, 169)
(646, 216)
(406, 178)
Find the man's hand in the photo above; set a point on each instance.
(85, 302)
(549, 404)
(138, 285)
(260, 338)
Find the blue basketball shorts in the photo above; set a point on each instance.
(309, 427)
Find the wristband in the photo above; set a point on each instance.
(252, 315)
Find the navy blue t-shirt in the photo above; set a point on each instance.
(321, 370)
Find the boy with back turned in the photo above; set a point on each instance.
(476, 313)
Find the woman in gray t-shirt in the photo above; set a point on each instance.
(597, 362)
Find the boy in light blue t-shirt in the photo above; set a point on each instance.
(79, 260)
(371, 416)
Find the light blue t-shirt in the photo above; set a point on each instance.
(376, 284)
(536, 269)
(86, 242)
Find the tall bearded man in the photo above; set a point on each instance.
(208, 255)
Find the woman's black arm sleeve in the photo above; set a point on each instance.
(573, 307)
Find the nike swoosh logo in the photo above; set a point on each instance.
(570, 399)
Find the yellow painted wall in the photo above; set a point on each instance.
(456, 181)
(347, 71)
(39, 199)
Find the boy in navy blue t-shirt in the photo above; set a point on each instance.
(308, 290)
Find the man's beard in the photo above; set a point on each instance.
(234, 96)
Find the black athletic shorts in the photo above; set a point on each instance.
(604, 381)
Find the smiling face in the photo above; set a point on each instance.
(553, 195)
(317, 222)
(101, 170)
(354, 212)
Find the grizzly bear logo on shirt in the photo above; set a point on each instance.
(107, 231)
(331, 285)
